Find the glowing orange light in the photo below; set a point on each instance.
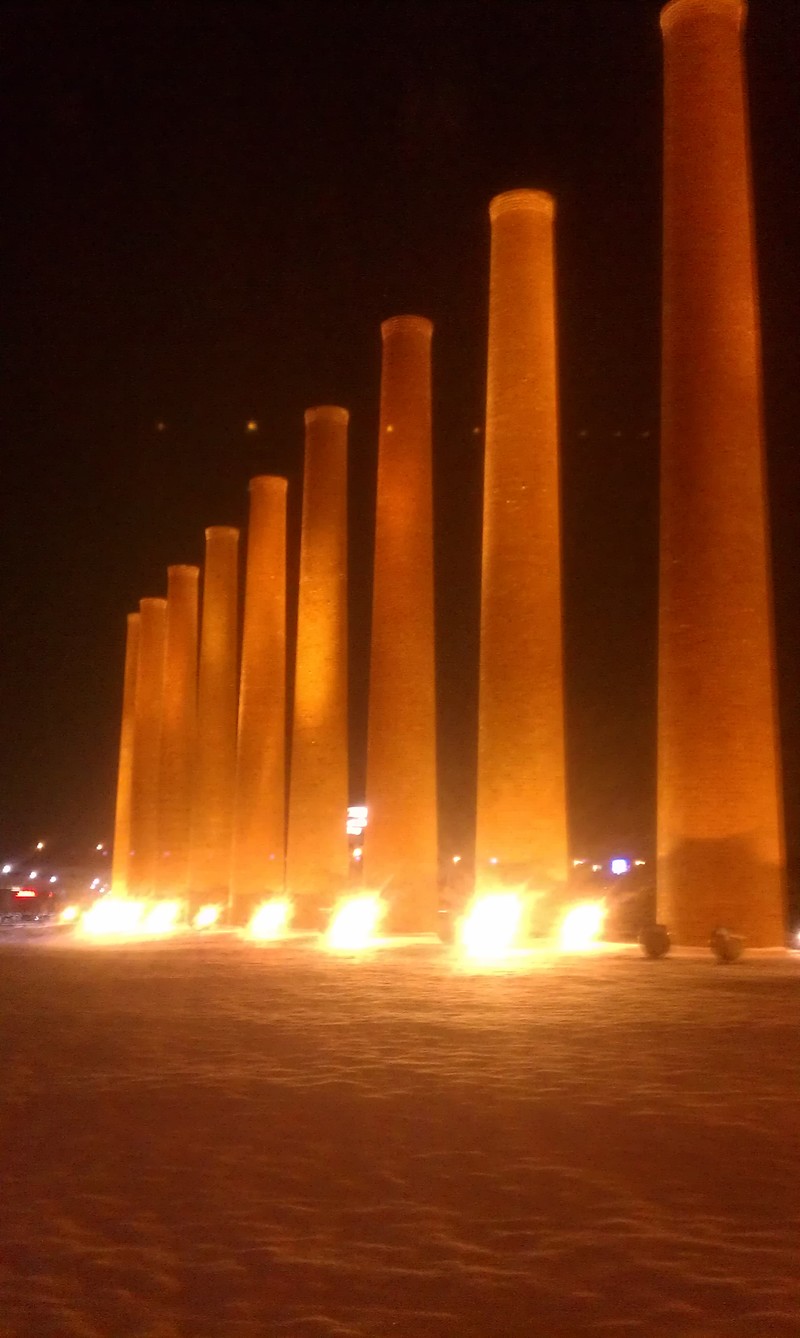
(206, 917)
(271, 919)
(354, 923)
(69, 915)
(113, 916)
(252, 425)
(581, 926)
(162, 917)
(117, 917)
(492, 925)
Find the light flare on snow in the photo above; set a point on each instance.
(354, 922)
(271, 919)
(206, 917)
(581, 926)
(492, 925)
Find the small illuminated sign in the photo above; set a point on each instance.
(356, 819)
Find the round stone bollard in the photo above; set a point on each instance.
(725, 946)
(654, 941)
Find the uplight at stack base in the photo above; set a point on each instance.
(163, 917)
(492, 925)
(121, 917)
(355, 922)
(271, 919)
(206, 917)
(581, 926)
(113, 916)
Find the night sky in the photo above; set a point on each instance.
(209, 210)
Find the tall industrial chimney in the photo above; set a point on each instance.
(401, 839)
(317, 857)
(720, 827)
(259, 829)
(521, 834)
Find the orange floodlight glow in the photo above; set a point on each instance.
(492, 925)
(113, 917)
(162, 917)
(206, 917)
(354, 923)
(581, 926)
(69, 915)
(271, 919)
(121, 917)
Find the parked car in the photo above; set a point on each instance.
(26, 905)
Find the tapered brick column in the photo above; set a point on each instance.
(121, 854)
(179, 730)
(720, 829)
(143, 868)
(259, 832)
(401, 839)
(317, 855)
(215, 769)
(521, 832)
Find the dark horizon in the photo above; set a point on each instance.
(212, 210)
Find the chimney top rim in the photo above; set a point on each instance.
(334, 413)
(519, 201)
(229, 531)
(419, 323)
(676, 9)
(266, 483)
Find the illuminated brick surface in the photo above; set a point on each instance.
(400, 849)
(147, 746)
(122, 813)
(521, 813)
(215, 770)
(720, 839)
(258, 852)
(179, 728)
(317, 857)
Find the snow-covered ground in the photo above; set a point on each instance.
(220, 1138)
